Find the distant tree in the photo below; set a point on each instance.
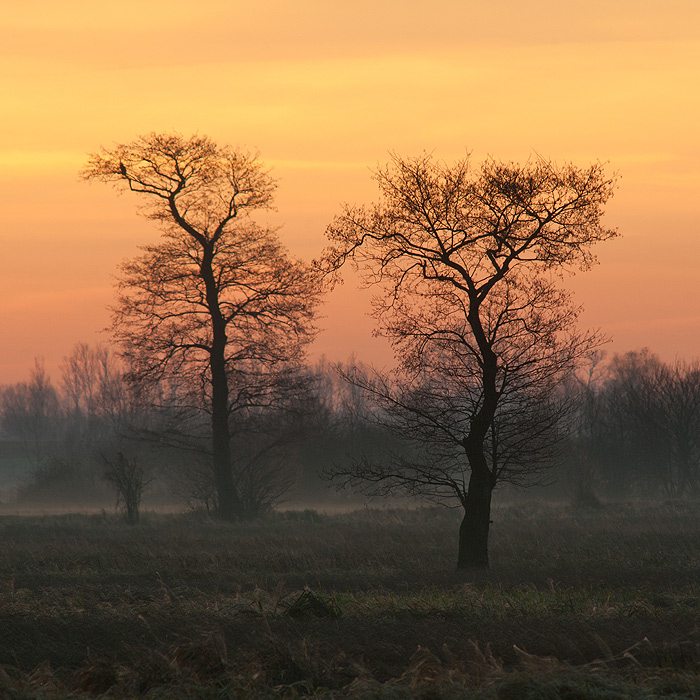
(677, 395)
(330, 427)
(465, 263)
(129, 479)
(66, 429)
(29, 411)
(218, 306)
(579, 470)
(609, 438)
(641, 426)
(98, 404)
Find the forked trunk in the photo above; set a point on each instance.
(474, 530)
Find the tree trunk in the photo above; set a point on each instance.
(132, 513)
(229, 507)
(474, 530)
(228, 502)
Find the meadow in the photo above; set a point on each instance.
(368, 604)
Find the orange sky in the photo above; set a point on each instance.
(325, 90)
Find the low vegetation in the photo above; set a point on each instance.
(584, 604)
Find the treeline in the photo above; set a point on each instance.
(95, 433)
(214, 402)
(638, 430)
(71, 429)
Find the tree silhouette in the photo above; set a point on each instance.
(640, 426)
(217, 307)
(129, 479)
(465, 265)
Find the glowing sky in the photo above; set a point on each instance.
(324, 90)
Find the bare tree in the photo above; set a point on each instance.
(129, 479)
(466, 263)
(641, 426)
(677, 394)
(612, 408)
(218, 305)
(97, 401)
(30, 411)
(65, 430)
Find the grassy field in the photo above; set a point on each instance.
(368, 604)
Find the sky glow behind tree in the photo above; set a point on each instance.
(325, 91)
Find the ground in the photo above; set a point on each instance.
(369, 604)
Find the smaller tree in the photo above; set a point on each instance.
(678, 399)
(30, 411)
(640, 426)
(65, 430)
(129, 479)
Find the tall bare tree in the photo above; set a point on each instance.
(217, 306)
(466, 263)
(30, 411)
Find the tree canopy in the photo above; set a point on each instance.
(217, 307)
(465, 263)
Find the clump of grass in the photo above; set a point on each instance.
(310, 604)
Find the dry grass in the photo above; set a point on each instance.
(360, 605)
